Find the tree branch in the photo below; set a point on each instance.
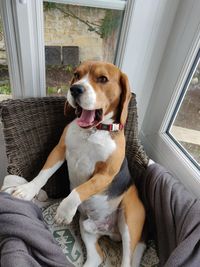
(87, 23)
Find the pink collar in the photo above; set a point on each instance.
(114, 127)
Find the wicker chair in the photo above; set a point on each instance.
(33, 126)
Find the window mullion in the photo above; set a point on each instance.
(128, 14)
(24, 40)
(11, 47)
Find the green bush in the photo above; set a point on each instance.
(5, 89)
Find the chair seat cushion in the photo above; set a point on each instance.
(68, 237)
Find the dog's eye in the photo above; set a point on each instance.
(102, 79)
(76, 76)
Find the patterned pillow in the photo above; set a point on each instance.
(68, 237)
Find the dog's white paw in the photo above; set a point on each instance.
(94, 260)
(26, 191)
(89, 226)
(137, 254)
(64, 214)
(91, 264)
(67, 208)
(42, 196)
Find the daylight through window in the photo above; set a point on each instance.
(74, 34)
(185, 125)
(5, 89)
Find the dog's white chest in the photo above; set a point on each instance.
(84, 149)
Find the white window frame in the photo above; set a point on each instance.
(114, 4)
(24, 42)
(151, 24)
(180, 53)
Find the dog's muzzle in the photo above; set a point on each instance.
(87, 118)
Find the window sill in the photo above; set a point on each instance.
(161, 148)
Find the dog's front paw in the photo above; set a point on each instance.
(67, 208)
(26, 191)
(64, 214)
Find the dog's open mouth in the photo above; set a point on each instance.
(88, 118)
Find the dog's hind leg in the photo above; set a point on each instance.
(94, 252)
(130, 223)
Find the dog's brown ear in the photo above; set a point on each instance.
(67, 108)
(71, 81)
(125, 98)
(69, 112)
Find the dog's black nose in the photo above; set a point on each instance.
(76, 90)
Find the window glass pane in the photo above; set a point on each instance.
(5, 89)
(74, 34)
(185, 128)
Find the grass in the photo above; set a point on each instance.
(57, 90)
(68, 68)
(5, 89)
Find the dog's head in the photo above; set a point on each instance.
(99, 91)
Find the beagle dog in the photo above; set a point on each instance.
(94, 146)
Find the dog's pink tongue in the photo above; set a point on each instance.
(87, 118)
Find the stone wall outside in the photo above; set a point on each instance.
(3, 59)
(67, 31)
(61, 30)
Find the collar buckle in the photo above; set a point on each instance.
(115, 127)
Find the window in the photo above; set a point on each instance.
(26, 34)
(5, 88)
(75, 33)
(184, 128)
(175, 84)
